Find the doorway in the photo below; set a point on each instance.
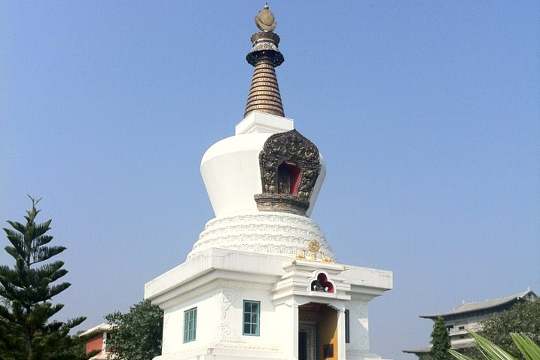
(317, 332)
(307, 341)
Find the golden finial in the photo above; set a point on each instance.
(265, 20)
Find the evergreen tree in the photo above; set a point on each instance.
(27, 290)
(440, 341)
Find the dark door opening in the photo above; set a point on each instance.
(302, 346)
(288, 178)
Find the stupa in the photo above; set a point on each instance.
(262, 282)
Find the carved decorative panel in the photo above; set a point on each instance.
(264, 233)
(322, 284)
(291, 148)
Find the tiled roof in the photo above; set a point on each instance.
(418, 351)
(427, 349)
(482, 305)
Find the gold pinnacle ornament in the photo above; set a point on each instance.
(265, 57)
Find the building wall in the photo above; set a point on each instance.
(359, 327)
(286, 321)
(173, 323)
(458, 329)
(220, 320)
(219, 283)
(94, 343)
(233, 316)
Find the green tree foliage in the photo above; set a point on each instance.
(527, 349)
(137, 334)
(26, 290)
(523, 317)
(440, 341)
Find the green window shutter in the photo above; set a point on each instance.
(194, 324)
(186, 327)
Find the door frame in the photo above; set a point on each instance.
(310, 328)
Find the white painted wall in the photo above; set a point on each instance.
(234, 315)
(287, 316)
(220, 322)
(173, 324)
(359, 328)
(231, 174)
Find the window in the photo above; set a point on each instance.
(190, 325)
(252, 311)
(347, 327)
(461, 328)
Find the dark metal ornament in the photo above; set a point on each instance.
(290, 147)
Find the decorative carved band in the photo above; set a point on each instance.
(281, 234)
(293, 148)
(281, 202)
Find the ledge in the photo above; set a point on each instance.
(259, 122)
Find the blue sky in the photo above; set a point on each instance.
(427, 113)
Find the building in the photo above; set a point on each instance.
(96, 340)
(468, 317)
(262, 282)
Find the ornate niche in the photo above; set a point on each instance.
(290, 167)
(322, 284)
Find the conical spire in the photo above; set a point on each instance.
(265, 57)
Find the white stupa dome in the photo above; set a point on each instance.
(231, 172)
